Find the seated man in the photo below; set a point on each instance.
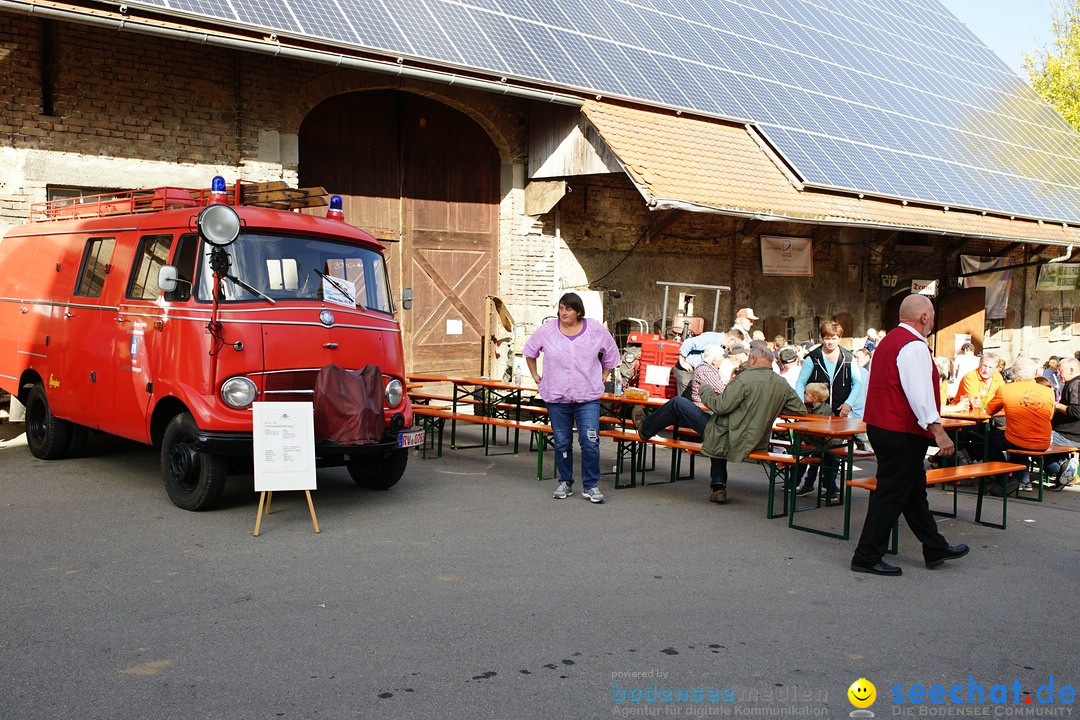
(978, 386)
(1066, 422)
(708, 373)
(741, 418)
(1029, 409)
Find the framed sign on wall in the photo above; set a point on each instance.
(792, 256)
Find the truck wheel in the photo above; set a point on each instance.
(47, 436)
(194, 480)
(379, 472)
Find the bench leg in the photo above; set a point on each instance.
(1036, 468)
(541, 446)
(785, 473)
(979, 505)
(955, 495)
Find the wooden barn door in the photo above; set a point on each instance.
(450, 213)
(410, 168)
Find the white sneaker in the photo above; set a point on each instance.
(593, 494)
(563, 491)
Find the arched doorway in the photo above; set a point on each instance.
(412, 169)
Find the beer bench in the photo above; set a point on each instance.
(780, 466)
(630, 445)
(942, 476)
(1035, 462)
(433, 419)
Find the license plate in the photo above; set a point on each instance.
(410, 438)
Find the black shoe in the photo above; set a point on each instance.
(879, 568)
(804, 489)
(951, 553)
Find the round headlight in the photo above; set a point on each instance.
(238, 392)
(219, 225)
(394, 393)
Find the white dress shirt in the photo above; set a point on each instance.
(916, 368)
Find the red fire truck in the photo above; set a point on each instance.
(161, 315)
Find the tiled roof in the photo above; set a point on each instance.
(707, 165)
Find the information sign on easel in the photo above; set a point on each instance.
(284, 439)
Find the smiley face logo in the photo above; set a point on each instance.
(862, 693)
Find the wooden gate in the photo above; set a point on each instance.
(413, 169)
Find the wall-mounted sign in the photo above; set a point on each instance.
(924, 287)
(787, 256)
(1054, 277)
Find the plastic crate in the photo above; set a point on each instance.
(660, 352)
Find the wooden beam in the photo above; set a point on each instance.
(657, 228)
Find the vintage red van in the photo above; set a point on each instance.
(161, 315)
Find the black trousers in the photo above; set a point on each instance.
(901, 490)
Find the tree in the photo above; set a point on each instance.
(1054, 70)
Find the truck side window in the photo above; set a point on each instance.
(95, 266)
(184, 262)
(153, 253)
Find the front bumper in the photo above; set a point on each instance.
(242, 444)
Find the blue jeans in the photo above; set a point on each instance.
(685, 413)
(586, 416)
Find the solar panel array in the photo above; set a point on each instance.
(886, 97)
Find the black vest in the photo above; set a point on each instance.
(839, 384)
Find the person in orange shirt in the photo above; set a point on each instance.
(979, 385)
(1029, 409)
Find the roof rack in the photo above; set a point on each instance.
(275, 194)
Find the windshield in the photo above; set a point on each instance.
(289, 267)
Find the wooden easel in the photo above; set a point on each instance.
(264, 500)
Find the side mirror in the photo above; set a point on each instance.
(406, 299)
(167, 277)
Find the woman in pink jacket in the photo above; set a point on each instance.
(578, 355)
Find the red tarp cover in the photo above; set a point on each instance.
(349, 405)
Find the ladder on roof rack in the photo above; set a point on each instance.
(276, 194)
(279, 195)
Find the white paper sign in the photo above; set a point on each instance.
(924, 287)
(332, 294)
(284, 435)
(454, 327)
(657, 374)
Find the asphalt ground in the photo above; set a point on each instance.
(467, 591)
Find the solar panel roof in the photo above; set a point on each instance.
(886, 97)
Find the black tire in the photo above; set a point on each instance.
(194, 480)
(379, 472)
(47, 436)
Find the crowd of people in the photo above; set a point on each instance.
(731, 386)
